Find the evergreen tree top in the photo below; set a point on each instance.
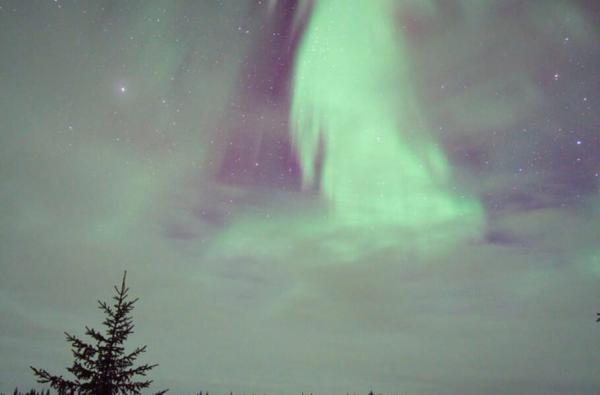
(103, 367)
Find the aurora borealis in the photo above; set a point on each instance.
(342, 99)
(327, 197)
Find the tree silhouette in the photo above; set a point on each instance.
(30, 392)
(104, 368)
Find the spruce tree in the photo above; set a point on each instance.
(102, 367)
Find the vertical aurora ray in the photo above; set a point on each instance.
(352, 96)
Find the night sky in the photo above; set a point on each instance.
(328, 197)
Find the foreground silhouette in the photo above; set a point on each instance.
(30, 392)
(104, 368)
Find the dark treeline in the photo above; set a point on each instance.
(30, 392)
(47, 392)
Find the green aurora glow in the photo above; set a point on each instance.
(353, 94)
